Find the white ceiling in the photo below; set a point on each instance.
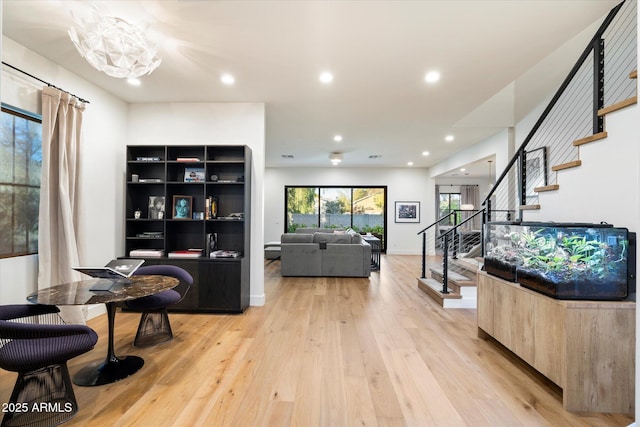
(379, 52)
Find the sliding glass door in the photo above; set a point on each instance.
(360, 208)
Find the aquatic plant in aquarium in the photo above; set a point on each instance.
(564, 261)
(503, 253)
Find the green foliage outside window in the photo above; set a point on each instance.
(302, 200)
(362, 209)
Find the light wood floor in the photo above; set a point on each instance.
(324, 352)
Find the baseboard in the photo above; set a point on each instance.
(95, 310)
(257, 300)
(402, 252)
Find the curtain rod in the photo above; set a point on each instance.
(45, 82)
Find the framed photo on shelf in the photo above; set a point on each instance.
(182, 206)
(407, 212)
(194, 175)
(536, 165)
(156, 207)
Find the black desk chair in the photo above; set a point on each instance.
(154, 327)
(36, 343)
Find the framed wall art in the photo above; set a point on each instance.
(407, 212)
(536, 165)
(181, 207)
(156, 207)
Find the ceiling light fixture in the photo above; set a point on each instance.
(326, 77)
(336, 158)
(337, 138)
(449, 138)
(114, 46)
(227, 79)
(409, 163)
(425, 153)
(133, 81)
(432, 77)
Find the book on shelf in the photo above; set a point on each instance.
(150, 235)
(147, 180)
(210, 207)
(188, 253)
(224, 254)
(194, 175)
(211, 244)
(147, 253)
(187, 159)
(148, 159)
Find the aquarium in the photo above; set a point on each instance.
(564, 261)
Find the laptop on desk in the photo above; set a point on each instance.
(117, 270)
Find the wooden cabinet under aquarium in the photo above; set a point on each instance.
(587, 348)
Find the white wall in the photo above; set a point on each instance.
(102, 159)
(403, 184)
(605, 187)
(204, 123)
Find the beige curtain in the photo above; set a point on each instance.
(59, 194)
(470, 195)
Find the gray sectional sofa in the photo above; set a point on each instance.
(324, 253)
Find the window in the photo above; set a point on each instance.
(20, 169)
(335, 207)
(360, 208)
(448, 203)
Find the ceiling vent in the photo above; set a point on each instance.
(287, 156)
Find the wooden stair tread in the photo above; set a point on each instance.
(633, 74)
(551, 187)
(469, 265)
(529, 207)
(452, 276)
(568, 165)
(433, 288)
(590, 138)
(618, 106)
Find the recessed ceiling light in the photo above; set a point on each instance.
(227, 79)
(449, 138)
(326, 77)
(337, 138)
(133, 81)
(425, 153)
(432, 77)
(409, 163)
(462, 169)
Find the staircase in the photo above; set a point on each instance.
(583, 141)
(462, 283)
